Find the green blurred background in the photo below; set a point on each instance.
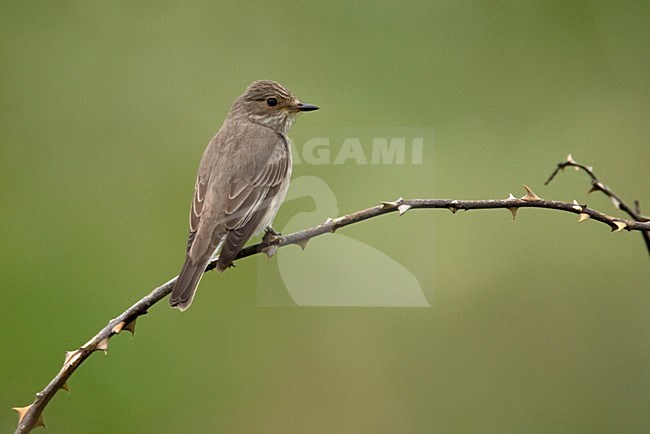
(541, 325)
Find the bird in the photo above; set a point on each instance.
(242, 180)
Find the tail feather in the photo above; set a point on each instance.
(186, 283)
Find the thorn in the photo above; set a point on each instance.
(118, 327)
(569, 159)
(64, 386)
(619, 226)
(102, 346)
(337, 223)
(303, 243)
(530, 196)
(392, 205)
(592, 189)
(453, 210)
(330, 221)
(68, 356)
(511, 197)
(583, 216)
(22, 411)
(576, 206)
(403, 208)
(513, 210)
(130, 327)
(590, 168)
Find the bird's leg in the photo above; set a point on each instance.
(271, 236)
(271, 240)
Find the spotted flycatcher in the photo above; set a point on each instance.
(243, 178)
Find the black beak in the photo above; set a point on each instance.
(306, 107)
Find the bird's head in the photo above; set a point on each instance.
(270, 104)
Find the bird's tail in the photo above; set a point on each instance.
(186, 283)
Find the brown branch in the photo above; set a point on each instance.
(30, 416)
(597, 185)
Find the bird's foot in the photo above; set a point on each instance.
(271, 236)
(271, 240)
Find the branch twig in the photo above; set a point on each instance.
(31, 416)
(597, 185)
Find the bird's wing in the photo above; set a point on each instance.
(199, 248)
(249, 198)
(196, 210)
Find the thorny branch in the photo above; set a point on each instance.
(596, 185)
(31, 415)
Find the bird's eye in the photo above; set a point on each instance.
(272, 102)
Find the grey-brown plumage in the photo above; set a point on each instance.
(242, 180)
